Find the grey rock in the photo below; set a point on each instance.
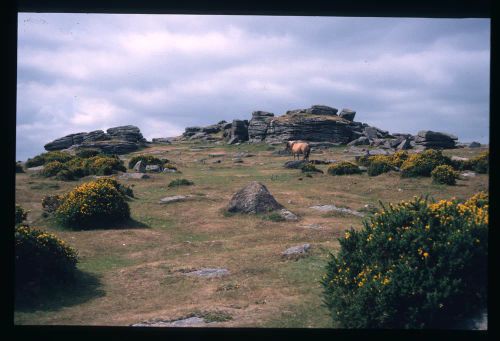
(474, 145)
(253, 198)
(432, 139)
(243, 154)
(163, 140)
(404, 145)
(329, 208)
(287, 215)
(257, 127)
(193, 321)
(458, 158)
(370, 132)
(466, 175)
(153, 168)
(209, 272)
(347, 114)
(237, 160)
(35, 169)
(239, 131)
(360, 141)
(294, 251)
(65, 142)
(379, 152)
(134, 176)
(322, 110)
(312, 226)
(174, 198)
(216, 155)
(139, 167)
(96, 135)
(363, 168)
(112, 146)
(169, 170)
(128, 133)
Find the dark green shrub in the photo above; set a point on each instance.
(413, 265)
(180, 182)
(274, 216)
(52, 168)
(480, 163)
(309, 167)
(41, 258)
(93, 204)
(169, 166)
(146, 159)
(363, 160)
(423, 163)
(87, 153)
(343, 167)
(21, 214)
(19, 168)
(104, 165)
(123, 189)
(44, 158)
(379, 164)
(444, 174)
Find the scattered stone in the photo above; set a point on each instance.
(209, 272)
(217, 155)
(296, 164)
(175, 198)
(134, 176)
(360, 141)
(328, 208)
(363, 168)
(322, 110)
(321, 162)
(162, 140)
(474, 145)
(169, 170)
(140, 167)
(432, 139)
(237, 160)
(356, 151)
(193, 321)
(287, 214)
(253, 198)
(243, 154)
(296, 251)
(153, 168)
(404, 145)
(458, 158)
(312, 226)
(466, 175)
(217, 161)
(379, 152)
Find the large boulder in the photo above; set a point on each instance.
(433, 139)
(239, 131)
(347, 114)
(322, 110)
(253, 198)
(111, 146)
(128, 133)
(96, 135)
(65, 142)
(257, 127)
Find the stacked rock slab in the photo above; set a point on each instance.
(432, 139)
(347, 114)
(257, 127)
(239, 131)
(117, 140)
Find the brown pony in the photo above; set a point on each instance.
(298, 147)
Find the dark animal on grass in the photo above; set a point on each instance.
(297, 148)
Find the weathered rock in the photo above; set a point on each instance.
(193, 321)
(237, 160)
(404, 145)
(169, 170)
(257, 127)
(134, 176)
(380, 152)
(432, 139)
(356, 151)
(322, 110)
(153, 168)
(329, 208)
(209, 272)
(296, 164)
(175, 198)
(474, 145)
(347, 114)
(287, 215)
(65, 142)
(217, 155)
(140, 167)
(35, 169)
(466, 175)
(296, 251)
(111, 146)
(312, 226)
(360, 141)
(253, 198)
(163, 140)
(458, 158)
(96, 135)
(128, 133)
(239, 131)
(370, 132)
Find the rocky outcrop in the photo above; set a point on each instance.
(253, 198)
(239, 131)
(347, 114)
(117, 140)
(432, 139)
(257, 127)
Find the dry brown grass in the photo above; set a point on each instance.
(141, 269)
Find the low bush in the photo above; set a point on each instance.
(180, 182)
(480, 163)
(50, 203)
(93, 204)
(423, 163)
(379, 164)
(52, 168)
(104, 165)
(146, 159)
(19, 168)
(21, 215)
(399, 157)
(41, 258)
(44, 158)
(309, 168)
(417, 264)
(343, 167)
(123, 189)
(444, 174)
(87, 153)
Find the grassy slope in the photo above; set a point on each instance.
(137, 273)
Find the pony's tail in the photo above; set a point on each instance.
(307, 153)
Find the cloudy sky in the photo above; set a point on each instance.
(82, 72)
